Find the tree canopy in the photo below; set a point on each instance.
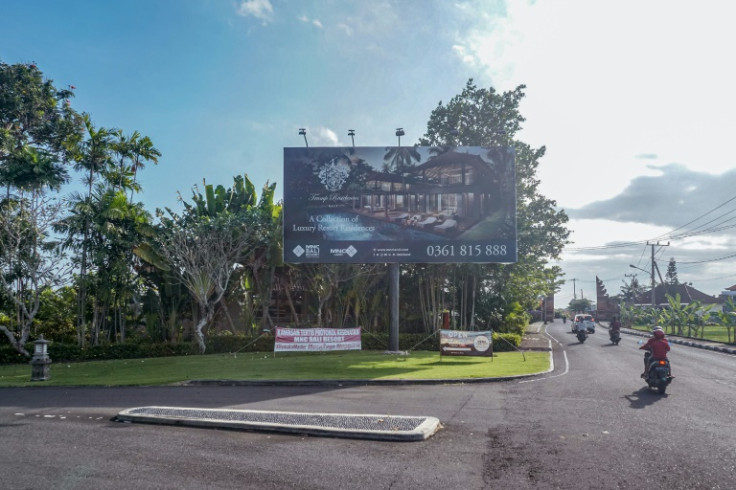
(484, 117)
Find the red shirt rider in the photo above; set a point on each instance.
(658, 345)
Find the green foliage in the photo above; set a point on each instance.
(55, 318)
(483, 117)
(35, 122)
(671, 275)
(65, 352)
(579, 305)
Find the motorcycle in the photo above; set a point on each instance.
(658, 375)
(582, 335)
(615, 336)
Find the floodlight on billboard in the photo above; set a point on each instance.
(406, 204)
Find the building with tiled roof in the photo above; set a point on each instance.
(687, 293)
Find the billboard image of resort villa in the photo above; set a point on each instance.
(399, 204)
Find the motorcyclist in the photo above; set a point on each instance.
(658, 348)
(614, 326)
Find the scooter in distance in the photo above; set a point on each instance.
(615, 336)
(582, 334)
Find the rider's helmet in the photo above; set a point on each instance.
(659, 334)
(657, 328)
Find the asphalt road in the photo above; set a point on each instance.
(591, 423)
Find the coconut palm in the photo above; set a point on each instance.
(400, 160)
(141, 150)
(92, 154)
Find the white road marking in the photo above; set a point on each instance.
(564, 353)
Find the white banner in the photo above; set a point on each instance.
(316, 339)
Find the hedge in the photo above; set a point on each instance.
(59, 352)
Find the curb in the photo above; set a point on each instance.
(353, 382)
(355, 426)
(688, 343)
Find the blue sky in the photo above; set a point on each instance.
(634, 100)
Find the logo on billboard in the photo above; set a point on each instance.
(312, 251)
(339, 252)
(298, 251)
(481, 343)
(334, 174)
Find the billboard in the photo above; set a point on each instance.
(399, 204)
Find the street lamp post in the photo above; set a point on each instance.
(351, 133)
(399, 133)
(303, 132)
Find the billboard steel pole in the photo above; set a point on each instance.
(393, 332)
(393, 289)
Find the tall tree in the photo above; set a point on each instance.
(211, 243)
(35, 117)
(671, 275)
(92, 153)
(631, 290)
(483, 117)
(28, 262)
(36, 125)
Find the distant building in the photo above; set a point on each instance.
(687, 293)
(729, 292)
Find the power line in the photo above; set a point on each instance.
(696, 219)
(670, 235)
(708, 260)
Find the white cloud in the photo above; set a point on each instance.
(464, 56)
(314, 22)
(260, 9)
(345, 28)
(607, 81)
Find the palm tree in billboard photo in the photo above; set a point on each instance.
(399, 160)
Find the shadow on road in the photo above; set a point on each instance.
(643, 397)
(133, 396)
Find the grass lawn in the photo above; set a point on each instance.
(284, 366)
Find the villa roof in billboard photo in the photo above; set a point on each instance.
(399, 204)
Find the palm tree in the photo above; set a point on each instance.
(399, 160)
(141, 150)
(92, 155)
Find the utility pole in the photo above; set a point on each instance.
(654, 265)
(574, 291)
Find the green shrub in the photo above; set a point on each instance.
(60, 352)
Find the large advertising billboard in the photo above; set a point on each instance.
(399, 204)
